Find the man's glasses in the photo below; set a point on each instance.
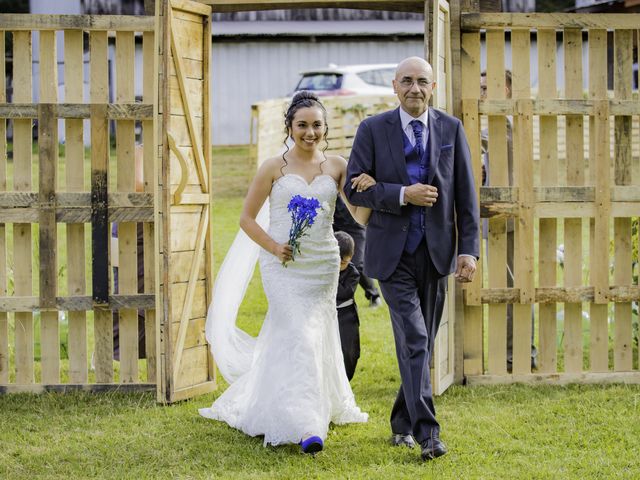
(408, 82)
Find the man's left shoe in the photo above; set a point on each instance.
(312, 445)
(433, 448)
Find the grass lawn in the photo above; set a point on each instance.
(501, 432)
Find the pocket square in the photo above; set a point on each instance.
(445, 147)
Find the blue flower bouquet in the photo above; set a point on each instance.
(303, 213)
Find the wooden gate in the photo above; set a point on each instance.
(443, 359)
(575, 184)
(74, 344)
(187, 365)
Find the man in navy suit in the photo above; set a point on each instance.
(424, 226)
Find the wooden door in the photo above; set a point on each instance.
(186, 263)
(443, 353)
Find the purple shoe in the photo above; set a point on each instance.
(312, 445)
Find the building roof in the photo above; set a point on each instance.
(322, 28)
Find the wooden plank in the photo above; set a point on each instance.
(548, 231)
(195, 332)
(559, 379)
(74, 171)
(91, 23)
(87, 387)
(193, 133)
(102, 317)
(99, 220)
(599, 169)
(497, 255)
(198, 307)
(250, 5)
(75, 303)
(559, 107)
(4, 323)
(575, 167)
(164, 213)
(623, 293)
(48, 160)
(193, 367)
(558, 21)
(523, 177)
(193, 277)
(623, 261)
(191, 7)
(125, 111)
(48, 232)
(78, 214)
(127, 233)
(206, 145)
(453, 61)
(193, 391)
(149, 176)
(22, 245)
(473, 344)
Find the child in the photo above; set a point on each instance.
(348, 320)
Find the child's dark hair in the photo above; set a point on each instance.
(303, 99)
(345, 243)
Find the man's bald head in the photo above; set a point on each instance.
(414, 85)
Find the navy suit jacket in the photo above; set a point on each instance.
(378, 151)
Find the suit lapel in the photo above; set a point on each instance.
(394, 139)
(435, 133)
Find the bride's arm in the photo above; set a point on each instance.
(258, 192)
(361, 183)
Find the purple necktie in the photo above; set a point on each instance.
(416, 125)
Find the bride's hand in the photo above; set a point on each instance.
(362, 182)
(283, 251)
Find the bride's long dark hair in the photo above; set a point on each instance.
(303, 99)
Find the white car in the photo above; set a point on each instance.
(374, 79)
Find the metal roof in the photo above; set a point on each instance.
(319, 28)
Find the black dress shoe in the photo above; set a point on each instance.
(433, 448)
(401, 439)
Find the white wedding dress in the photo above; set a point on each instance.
(290, 383)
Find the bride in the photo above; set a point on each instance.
(290, 382)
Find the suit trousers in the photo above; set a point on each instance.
(415, 294)
(349, 325)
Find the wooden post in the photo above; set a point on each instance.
(162, 222)
(74, 163)
(472, 334)
(48, 228)
(206, 145)
(103, 322)
(497, 262)
(599, 168)
(127, 231)
(428, 6)
(623, 351)
(150, 177)
(547, 352)
(523, 177)
(4, 323)
(22, 249)
(573, 226)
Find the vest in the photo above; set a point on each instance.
(418, 170)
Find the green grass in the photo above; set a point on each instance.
(500, 432)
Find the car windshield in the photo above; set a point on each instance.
(320, 81)
(381, 76)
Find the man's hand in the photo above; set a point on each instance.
(465, 269)
(421, 194)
